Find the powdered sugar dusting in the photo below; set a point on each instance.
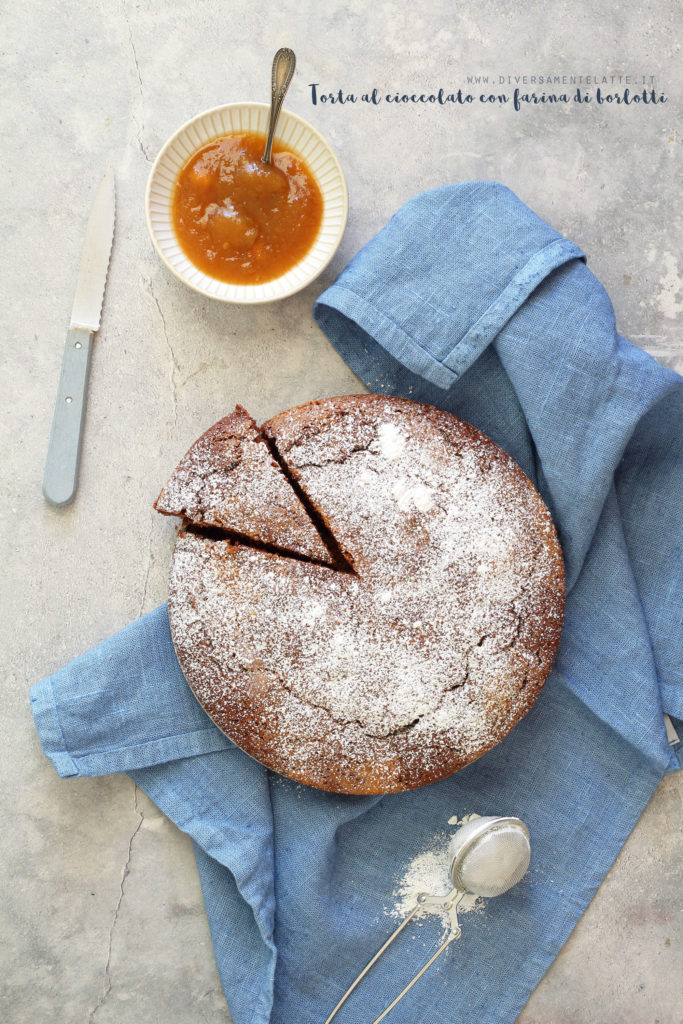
(406, 496)
(391, 442)
(401, 674)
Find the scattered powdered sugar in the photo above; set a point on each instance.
(422, 497)
(429, 872)
(310, 612)
(455, 820)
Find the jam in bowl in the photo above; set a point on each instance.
(243, 221)
(237, 229)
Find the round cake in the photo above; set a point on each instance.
(416, 644)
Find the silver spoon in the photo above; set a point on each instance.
(490, 855)
(284, 63)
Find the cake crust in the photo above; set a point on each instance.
(425, 656)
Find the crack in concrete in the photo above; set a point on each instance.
(124, 875)
(138, 120)
(175, 368)
(150, 564)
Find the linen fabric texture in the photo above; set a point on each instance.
(468, 301)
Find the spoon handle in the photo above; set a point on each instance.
(284, 63)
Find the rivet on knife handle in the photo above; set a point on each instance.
(61, 469)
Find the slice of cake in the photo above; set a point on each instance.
(230, 481)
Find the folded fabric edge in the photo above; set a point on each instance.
(115, 759)
(395, 340)
(663, 761)
(674, 731)
(516, 292)
(219, 848)
(262, 1009)
(48, 726)
(406, 349)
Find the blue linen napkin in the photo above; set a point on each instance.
(468, 301)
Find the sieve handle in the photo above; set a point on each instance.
(399, 997)
(394, 935)
(448, 903)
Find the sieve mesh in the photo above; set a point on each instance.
(494, 862)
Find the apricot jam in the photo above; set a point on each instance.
(242, 221)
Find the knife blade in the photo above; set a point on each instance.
(61, 468)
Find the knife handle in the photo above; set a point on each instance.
(61, 469)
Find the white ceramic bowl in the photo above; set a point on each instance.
(293, 132)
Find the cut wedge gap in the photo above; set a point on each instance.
(217, 533)
(342, 561)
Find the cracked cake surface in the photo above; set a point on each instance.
(423, 657)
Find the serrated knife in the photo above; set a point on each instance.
(61, 469)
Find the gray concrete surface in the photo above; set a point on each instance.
(101, 914)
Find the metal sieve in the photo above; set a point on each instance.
(490, 855)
